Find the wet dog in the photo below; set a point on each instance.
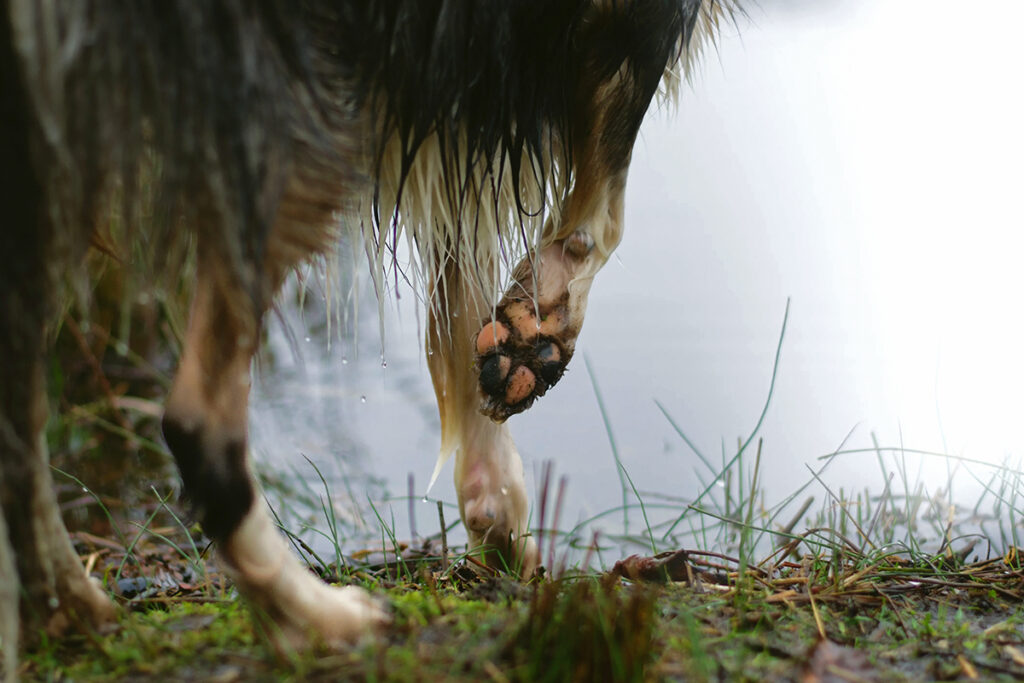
(494, 136)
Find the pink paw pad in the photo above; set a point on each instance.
(520, 385)
(518, 358)
(492, 334)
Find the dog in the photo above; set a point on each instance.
(494, 136)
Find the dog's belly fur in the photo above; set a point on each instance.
(262, 131)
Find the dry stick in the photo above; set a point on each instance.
(590, 551)
(820, 531)
(787, 549)
(882, 501)
(747, 522)
(545, 483)
(843, 511)
(726, 558)
(947, 539)
(494, 672)
(962, 554)
(444, 538)
(967, 667)
(693, 578)
(562, 482)
(788, 527)
(412, 506)
(472, 560)
(895, 610)
(814, 608)
(97, 370)
(783, 551)
(844, 675)
(155, 374)
(964, 584)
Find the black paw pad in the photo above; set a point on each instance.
(549, 358)
(493, 373)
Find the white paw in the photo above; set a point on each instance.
(330, 616)
(297, 609)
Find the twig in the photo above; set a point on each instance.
(444, 538)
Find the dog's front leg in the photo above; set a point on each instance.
(522, 350)
(488, 471)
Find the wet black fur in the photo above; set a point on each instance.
(219, 481)
(506, 75)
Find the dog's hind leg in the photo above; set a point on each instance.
(488, 471)
(205, 426)
(56, 592)
(45, 571)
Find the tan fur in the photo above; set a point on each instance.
(440, 228)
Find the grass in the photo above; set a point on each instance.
(888, 623)
(893, 585)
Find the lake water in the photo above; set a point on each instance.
(862, 160)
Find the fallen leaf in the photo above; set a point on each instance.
(1013, 653)
(967, 668)
(668, 566)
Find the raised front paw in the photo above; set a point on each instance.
(520, 355)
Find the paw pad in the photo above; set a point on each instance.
(518, 358)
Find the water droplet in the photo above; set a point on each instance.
(425, 499)
(344, 361)
(383, 363)
(362, 399)
(504, 490)
(85, 490)
(720, 484)
(308, 339)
